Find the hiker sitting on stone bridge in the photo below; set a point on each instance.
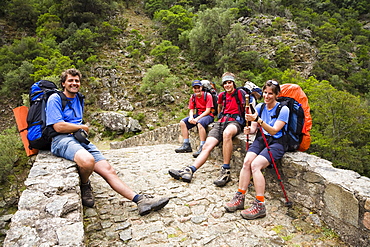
(258, 155)
(71, 143)
(200, 115)
(231, 104)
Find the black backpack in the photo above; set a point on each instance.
(39, 136)
(294, 135)
(207, 88)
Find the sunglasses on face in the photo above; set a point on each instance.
(227, 82)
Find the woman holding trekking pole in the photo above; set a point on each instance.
(258, 155)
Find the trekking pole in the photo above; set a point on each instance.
(287, 202)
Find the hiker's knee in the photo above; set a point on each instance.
(210, 143)
(84, 159)
(228, 135)
(200, 127)
(257, 166)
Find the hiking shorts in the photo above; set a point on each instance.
(204, 121)
(66, 146)
(218, 129)
(258, 147)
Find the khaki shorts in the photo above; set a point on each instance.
(218, 129)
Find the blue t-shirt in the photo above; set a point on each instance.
(73, 112)
(266, 116)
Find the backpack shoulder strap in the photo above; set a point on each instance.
(63, 98)
(236, 95)
(261, 109)
(278, 109)
(193, 100)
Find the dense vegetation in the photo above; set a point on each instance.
(257, 40)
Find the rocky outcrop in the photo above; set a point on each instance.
(118, 122)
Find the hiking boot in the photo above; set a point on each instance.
(148, 203)
(196, 154)
(87, 195)
(236, 203)
(223, 178)
(185, 148)
(257, 210)
(186, 174)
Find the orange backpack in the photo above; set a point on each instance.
(295, 91)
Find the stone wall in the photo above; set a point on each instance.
(50, 209)
(340, 197)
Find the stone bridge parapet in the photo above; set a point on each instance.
(50, 212)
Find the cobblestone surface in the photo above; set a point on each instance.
(195, 215)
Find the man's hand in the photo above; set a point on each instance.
(193, 120)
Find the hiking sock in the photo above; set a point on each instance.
(202, 143)
(226, 166)
(242, 191)
(193, 168)
(186, 140)
(260, 198)
(136, 198)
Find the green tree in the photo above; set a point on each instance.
(17, 81)
(152, 6)
(52, 66)
(206, 38)
(80, 44)
(341, 126)
(284, 57)
(158, 80)
(332, 61)
(166, 53)
(12, 160)
(79, 12)
(26, 49)
(21, 13)
(49, 26)
(174, 21)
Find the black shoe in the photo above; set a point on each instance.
(147, 203)
(196, 154)
(87, 195)
(186, 174)
(223, 178)
(185, 148)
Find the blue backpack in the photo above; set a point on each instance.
(39, 135)
(293, 136)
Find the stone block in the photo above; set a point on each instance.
(341, 204)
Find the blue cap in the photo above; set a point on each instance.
(196, 83)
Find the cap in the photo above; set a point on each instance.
(228, 78)
(196, 83)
